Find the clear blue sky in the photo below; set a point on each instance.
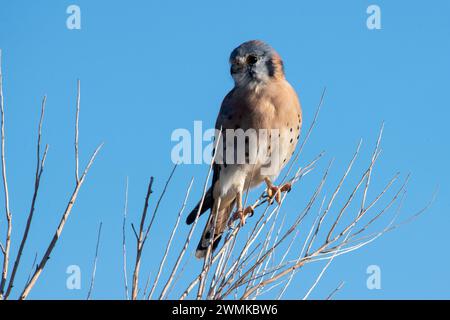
(147, 68)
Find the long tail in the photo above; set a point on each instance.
(221, 223)
(207, 204)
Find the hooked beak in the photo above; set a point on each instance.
(237, 65)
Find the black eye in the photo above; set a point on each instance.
(252, 59)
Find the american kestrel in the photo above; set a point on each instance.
(262, 100)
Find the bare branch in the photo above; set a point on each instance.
(79, 183)
(146, 285)
(161, 265)
(333, 293)
(140, 242)
(8, 214)
(59, 229)
(191, 231)
(124, 243)
(159, 202)
(134, 231)
(374, 155)
(325, 268)
(33, 266)
(208, 258)
(94, 269)
(144, 232)
(77, 115)
(39, 170)
(267, 253)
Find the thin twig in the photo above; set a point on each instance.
(94, 269)
(319, 277)
(146, 285)
(33, 265)
(124, 242)
(208, 258)
(191, 231)
(39, 170)
(159, 202)
(78, 184)
(59, 229)
(77, 116)
(169, 243)
(140, 242)
(5, 190)
(299, 219)
(333, 293)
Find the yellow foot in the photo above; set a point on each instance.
(275, 192)
(242, 215)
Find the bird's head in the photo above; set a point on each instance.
(255, 62)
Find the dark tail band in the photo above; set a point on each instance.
(201, 250)
(207, 204)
